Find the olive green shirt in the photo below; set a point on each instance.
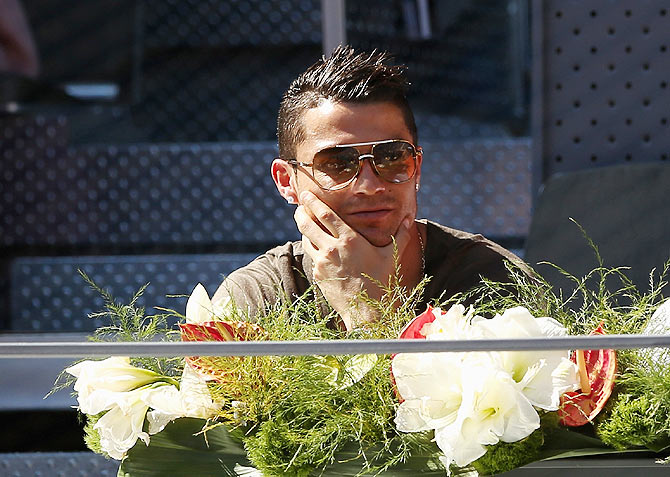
(455, 262)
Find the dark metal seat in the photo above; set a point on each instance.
(624, 209)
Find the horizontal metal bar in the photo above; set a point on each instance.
(323, 347)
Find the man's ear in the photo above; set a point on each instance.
(419, 160)
(284, 178)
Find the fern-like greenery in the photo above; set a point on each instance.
(294, 419)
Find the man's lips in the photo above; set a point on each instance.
(376, 213)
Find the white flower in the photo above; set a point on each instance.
(200, 309)
(160, 403)
(465, 398)
(455, 324)
(198, 306)
(121, 426)
(473, 400)
(192, 400)
(542, 375)
(430, 384)
(194, 395)
(658, 324)
(128, 393)
(492, 410)
(98, 381)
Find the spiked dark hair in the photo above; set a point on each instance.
(347, 76)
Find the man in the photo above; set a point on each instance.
(18, 53)
(349, 157)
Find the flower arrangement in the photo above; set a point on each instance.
(432, 413)
(475, 400)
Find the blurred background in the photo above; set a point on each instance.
(136, 138)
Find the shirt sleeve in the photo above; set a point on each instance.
(276, 275)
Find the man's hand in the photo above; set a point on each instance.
(341, 257)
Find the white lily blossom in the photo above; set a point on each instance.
(97, 381)
(160, 403)
(455, 324)
(658, 324)
(120, 430)
(473, 400)
(542, 375)
(492, 410)
(130, 394)
(430, 384)
(192, 400)
(121, 426)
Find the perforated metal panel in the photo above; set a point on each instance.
(48, 294)
(38, 135)
(177, 195)
(435, 126)
(223, 195)
(90, 41)
(466, 66)
(217, 94)
(57, 464)
(170, 23)
(601, 77)
(479, 186)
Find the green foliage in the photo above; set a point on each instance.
(91, 435)
(295, 417)
(506, 456)
(638, 414)
(604, 295)
(638, 421)
(129, 322)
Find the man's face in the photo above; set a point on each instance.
(370, 205)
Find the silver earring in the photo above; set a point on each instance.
(290, 201)
(417, 187)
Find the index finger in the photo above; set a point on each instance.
(322, 214)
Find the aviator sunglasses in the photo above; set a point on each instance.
(335, 167)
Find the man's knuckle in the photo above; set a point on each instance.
(327, 215)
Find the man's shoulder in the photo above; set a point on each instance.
(457, 261)
(279, 270)
(274, 264)
(451, 247)
(453, 238)
(287, 250)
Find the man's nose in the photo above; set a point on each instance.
(367, 181)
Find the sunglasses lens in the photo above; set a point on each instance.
(395, 161)
(335, 166)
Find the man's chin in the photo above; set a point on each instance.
(377, 238)
(379, 234)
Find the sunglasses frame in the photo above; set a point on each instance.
(361, 157)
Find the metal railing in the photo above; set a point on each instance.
(29, 349)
